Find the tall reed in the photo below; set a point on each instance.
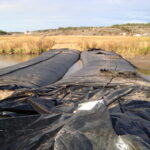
(25, 44)
(127, 46)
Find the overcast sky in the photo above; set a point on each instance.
(22, 15)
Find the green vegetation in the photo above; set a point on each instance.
(145, 50)
(118, 29)
(3, 32)
(122, 27)
(132, 24)
(131, 27)
(76, 28)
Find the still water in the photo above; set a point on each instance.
(9, 60)
(142, 62)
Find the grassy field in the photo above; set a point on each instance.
(127, 46)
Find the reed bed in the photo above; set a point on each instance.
(25, 44)
(127, 46)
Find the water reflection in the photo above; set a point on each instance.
(145, 73)
(143, 65)
(9, 60)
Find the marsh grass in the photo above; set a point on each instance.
(25, 44)
(127, 46)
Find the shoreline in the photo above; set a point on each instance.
(142, 62)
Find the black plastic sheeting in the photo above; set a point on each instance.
(95, 61)
(42, 123)
(102, 66)
(43, 70)
(73, 115)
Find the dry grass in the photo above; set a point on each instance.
(127, 46)
(25, 44)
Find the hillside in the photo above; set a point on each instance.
(123, 29)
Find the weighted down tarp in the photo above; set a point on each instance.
(43, 70)
(74, 115)
(101, 67)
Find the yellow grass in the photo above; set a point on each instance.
(127, 46)
(25, 44)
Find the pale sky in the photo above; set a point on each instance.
(22, 15)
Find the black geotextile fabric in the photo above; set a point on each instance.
(95, 61)
(80, 116)
(63, 122)
(43, 70)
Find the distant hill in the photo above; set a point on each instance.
(134, 27)
(118, 29)
(122, 29)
